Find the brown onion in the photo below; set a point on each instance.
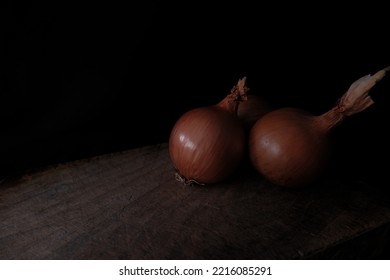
(290, 147)
(207, 144)
(252, 109)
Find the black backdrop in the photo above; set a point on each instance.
(81, 79)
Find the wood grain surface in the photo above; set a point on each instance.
(127, 205)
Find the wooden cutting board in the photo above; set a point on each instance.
(127, 205)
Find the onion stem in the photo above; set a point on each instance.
(355, 100)
(237, 94)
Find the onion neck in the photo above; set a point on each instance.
(355, 100)
(237, 94)
(330, 119)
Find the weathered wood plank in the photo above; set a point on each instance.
(128, 206)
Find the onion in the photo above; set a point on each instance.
(290, 147)
(251, 110)
(207, 144)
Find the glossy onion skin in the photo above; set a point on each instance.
(207, 144)
(289, 147)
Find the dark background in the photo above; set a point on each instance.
(81, 79)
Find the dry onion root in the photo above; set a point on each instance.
(290, 147)
(207, 144)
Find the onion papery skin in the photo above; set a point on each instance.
(289, 147)
(207, 144)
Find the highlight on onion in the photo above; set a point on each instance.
(207, 144)
(252, 109)
(290, 147)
